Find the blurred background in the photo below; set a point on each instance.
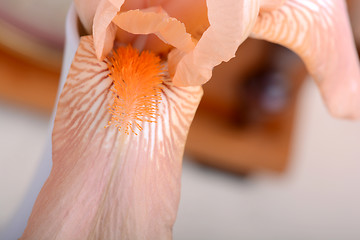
(264, 160)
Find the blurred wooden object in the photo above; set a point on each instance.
(20, 43)
(354, 11)
(31, 43)
(245, 120)
(34, 29)
(27, 83)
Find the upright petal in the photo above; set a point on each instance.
(268, 5)
(319, 31)
(155, 20)
(105, 184)
(231, 22)
(86, 11)
(104, 30)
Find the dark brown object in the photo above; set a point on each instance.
(245, 119)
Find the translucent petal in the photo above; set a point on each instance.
(147, 21)
(319, 32)
(103, 29)
(86, 11)
(231, 22)
(268, 5)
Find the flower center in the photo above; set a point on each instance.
(137, 84)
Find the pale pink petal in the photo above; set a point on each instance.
(118, 3)
(133, 4)
(147, 21)
(104, 30)
(105, 184)
(174, 57)
(193, 13)
(86, 11)
(231, 22)
(268, 5)
(320, 33)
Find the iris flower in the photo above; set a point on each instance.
(132, 92)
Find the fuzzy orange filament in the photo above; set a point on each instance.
(137, 88)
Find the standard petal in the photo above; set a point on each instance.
(117, 3)
(319, 32)
(193, 13)
(147, 21)
(268, 5)
(86, 11)
(231, 22)
(104, 30)
(105, 184)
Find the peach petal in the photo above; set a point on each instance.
(174, 57)
(268, 5)
(147, 21)
(193, 13)
(86, 11)
(104, 184)
(319, 32)
(231, 21)
(104, 30)
(117, 3)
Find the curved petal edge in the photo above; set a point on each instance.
(319, 32)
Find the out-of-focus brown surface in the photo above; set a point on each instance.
(31, 43)
(246, 116)
(354, 11)
(27, 83)
(34, 29)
